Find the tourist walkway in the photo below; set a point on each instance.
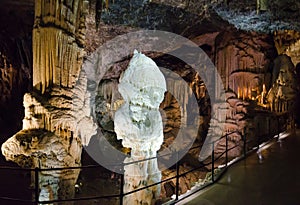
(270, 179)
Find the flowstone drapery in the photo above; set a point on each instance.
(138, 123)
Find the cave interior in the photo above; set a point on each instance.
(60, 66)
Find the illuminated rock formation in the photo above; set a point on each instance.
(58, 39)
(57, 118)
(288, 42)
(283, 92)
(54, 131)
(38, 148)
(238, 60)
(138, 123)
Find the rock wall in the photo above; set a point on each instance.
(234, 126)
(247, 52)
(283, 92)
(288, 42)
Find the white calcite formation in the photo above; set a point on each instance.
(139, 125)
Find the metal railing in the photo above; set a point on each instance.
(248, 146)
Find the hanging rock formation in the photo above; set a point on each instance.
(243, 52)
(58, 39)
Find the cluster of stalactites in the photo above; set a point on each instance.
(58, 39)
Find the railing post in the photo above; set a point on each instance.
(293, 123)
(269, 124)
(36, 185)
(245, 143)
(212, 162)
(122, 185)
(226, 154)
(257, 134)
(177, 177)
(278, 126)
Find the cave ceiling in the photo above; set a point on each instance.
(189, 18)
(179, 16)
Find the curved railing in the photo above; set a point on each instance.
(248, 146)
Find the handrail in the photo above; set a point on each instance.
(122, 194)
(96, 166)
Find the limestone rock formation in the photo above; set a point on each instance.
(235, 124)
(229, 119)
(284, 85)
(54, 130)
(288, 42)
(9, 77)
(138, 123)
(243, 52)
(57, 118)
(44, 149)
(58, 39)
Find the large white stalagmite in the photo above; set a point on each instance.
(138, 123)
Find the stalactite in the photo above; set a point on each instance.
(57, 56)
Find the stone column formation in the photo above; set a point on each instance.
(58, 39)
(138, 123)
(57, 118)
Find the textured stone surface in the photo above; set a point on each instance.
(54, 130)
(38, 148)
(58, 123)
(58, 46)
(243, 52)
(139, 125)
(283, 92)
(243, 60)
(288, 42)
(246, 15)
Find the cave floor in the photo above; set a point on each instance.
(273, 179)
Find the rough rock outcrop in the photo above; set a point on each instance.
(235, 124)
(288, 42)
(229, 119)
(53, 128)
(283, 92)
(44, 149)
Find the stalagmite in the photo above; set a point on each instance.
(138, 123)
